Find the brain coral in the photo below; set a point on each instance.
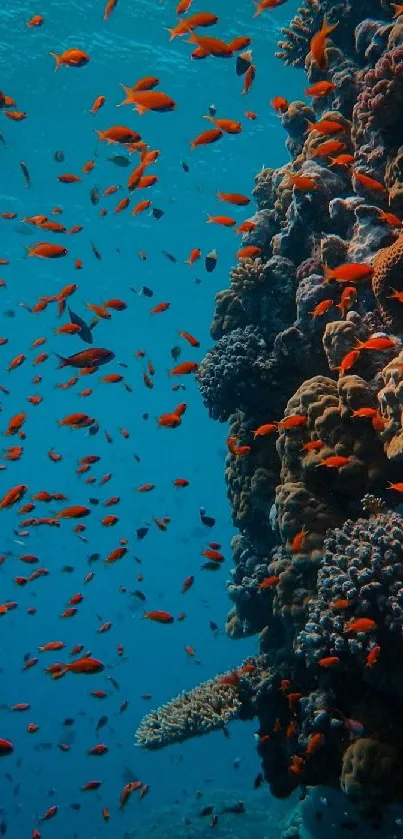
(315, 496)
(390, 399)
(388, 275)
(372, 772)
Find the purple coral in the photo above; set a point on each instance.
(363, 566)
(234, 373)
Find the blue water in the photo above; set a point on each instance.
(131, 44)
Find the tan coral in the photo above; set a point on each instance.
(339, 337)
(313, 495)
(394, 178)
(388, 275)
(390, 399)
(205, 708)
(371, 772)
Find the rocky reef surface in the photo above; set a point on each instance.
(307, 369)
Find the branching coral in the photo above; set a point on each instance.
(205, 708)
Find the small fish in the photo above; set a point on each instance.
(94, 195)
(208, 521)
(210, 261)
(120, 160)
(58, 156)
(185, 166)
(157, 213)
(95, 251)
(27, 177)
(101, 723)
(169, 256)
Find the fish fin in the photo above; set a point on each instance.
(63, 361)
(57, 59)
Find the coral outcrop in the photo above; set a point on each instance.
(308, 369)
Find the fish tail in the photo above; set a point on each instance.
(327, 28)
(359, 345)
(258, 9)
(311, 125)
(129, 100)
(57, 59)
(327, 274)
(209, 117)
(63, 361)
(60, 673)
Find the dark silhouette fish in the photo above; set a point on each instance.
(119, 160)
(85, 332)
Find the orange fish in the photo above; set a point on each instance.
(315, 741)
(195, 254)
(318, 44)
(159, 616)
(36, 20)
(313, 446)
(184, 368)
(280, 104)
(320, 89)
(398, 487)
(84, 665)
(119, 134)
(97, 104)
(148, 100)
(298, 541)
(188, 24)
(76, 511)
(229, 126)
(322, 308)
(71, 58)
(367, 182)
(329, 661)
(334, 461)
(360, 625)
(390, 218)
(292, 421)
(206, 137)
(261, 5)
(263, 430)
(326, 126)
(110, 6)
(348, 361)
(348, 272)
(160, 307)
(301, 182)
(248, 252)
(190, 339)
(212, 46)
(234, 198)
(269, 582)
(45, 250)
(13, 495)
(348, 297)
(379, 344)
(364, 412)
(328, 148)
(373, 657)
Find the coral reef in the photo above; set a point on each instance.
(308, 369)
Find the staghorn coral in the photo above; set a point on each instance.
(205, 708)
(193, 713)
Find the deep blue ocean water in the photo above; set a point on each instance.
(133, 43)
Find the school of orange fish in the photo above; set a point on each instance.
(25, 498)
